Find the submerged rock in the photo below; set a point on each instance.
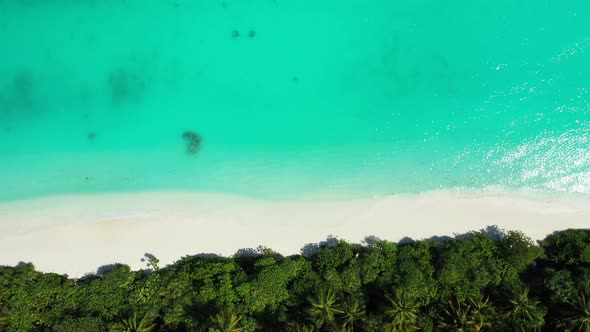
(190, 135)
(20, 93)
(22, 84)
(193, 141)
(125, 86)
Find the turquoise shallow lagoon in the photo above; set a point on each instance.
(293, 97)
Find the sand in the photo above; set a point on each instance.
(76, 234)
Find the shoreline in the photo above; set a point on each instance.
(76, 234)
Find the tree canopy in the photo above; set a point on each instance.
(474, 282)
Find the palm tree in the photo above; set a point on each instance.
(473, 315)
(403, 311)
(581, 320)
(525, 312)
(132, 324)
(324, 306)
(352, 311)
(457, 317)
(3, 317)
(300, 328)
(226, 321)
(481, 312)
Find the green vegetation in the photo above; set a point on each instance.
(482, 281)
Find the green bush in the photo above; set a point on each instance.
(474, 282)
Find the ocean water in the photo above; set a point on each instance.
(293, 98)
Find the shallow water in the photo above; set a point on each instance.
(293, 97)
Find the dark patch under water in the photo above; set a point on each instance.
(125, 85)
(193, 141)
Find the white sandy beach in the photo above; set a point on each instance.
(75, 235)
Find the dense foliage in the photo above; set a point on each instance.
(482, 281)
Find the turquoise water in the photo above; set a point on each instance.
(293, 97)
